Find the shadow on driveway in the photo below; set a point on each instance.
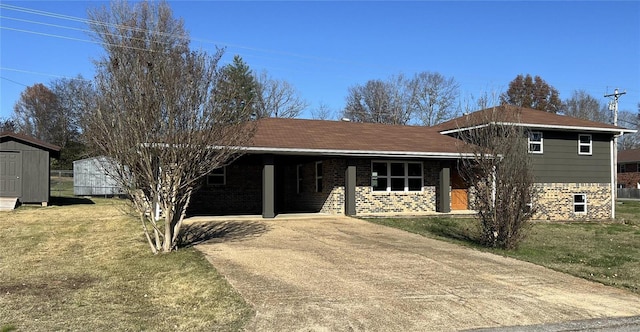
(220, 231)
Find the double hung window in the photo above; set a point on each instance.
(584, 144)
(535, 142)
(580, 203)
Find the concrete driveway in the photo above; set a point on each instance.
(344, 274)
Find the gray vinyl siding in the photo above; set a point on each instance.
(561, 163)
(35, 171)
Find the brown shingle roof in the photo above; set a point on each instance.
(526, 116)
(347, 137)
(626, 156)
(29, 139)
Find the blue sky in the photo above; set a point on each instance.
(322, 48)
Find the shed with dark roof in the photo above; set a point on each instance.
(24, 167)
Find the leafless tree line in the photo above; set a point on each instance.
(428, 98)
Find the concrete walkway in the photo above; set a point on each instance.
(344, 274)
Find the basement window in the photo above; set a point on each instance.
(584, 144)
(535, 142)
(218, 177)
(580, 203)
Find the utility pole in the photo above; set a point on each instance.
(613, 106)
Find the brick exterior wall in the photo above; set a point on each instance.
(555, 201)
(242, 193)
(370, 202)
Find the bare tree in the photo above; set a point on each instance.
(8, 125)
(156, 117)
(278, 98)
(632, 140)
(583, 105)
(501, 174)
(433, 97)
(75, 96)
(322, 112)
(379, 102)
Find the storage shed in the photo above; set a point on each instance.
(91, 178)
(24, 168)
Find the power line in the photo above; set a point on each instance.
(12, 81)
(193, 39)
(39, 73)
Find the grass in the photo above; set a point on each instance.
(604, 252)
(61, 186)
(87, 267)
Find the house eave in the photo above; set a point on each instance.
(357, 153)
(618, 131)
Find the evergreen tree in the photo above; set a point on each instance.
(236, 88)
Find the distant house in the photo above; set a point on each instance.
(629, 169)
(91, 178)
(337, 167)
(24, 168)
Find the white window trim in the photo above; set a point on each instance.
(529, 142)
(590, 145)
(318, 177)
(576, 204)
(406, 177)
(223, 175)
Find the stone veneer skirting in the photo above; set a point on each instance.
(370, 202)
(555, 201)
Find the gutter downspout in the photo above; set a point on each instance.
(614, 173)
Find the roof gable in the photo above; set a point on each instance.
(526, 117)
(6, 136)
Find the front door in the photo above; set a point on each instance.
(10, 174)
(459, 192)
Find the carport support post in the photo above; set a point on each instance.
(445, 190)
(350, 188)
(268, 187)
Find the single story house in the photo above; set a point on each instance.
(340, 167)
(629, 169)
(24, 168)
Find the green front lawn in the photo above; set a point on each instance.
(605, 252)
(83, 265)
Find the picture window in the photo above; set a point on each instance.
(394, 176)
